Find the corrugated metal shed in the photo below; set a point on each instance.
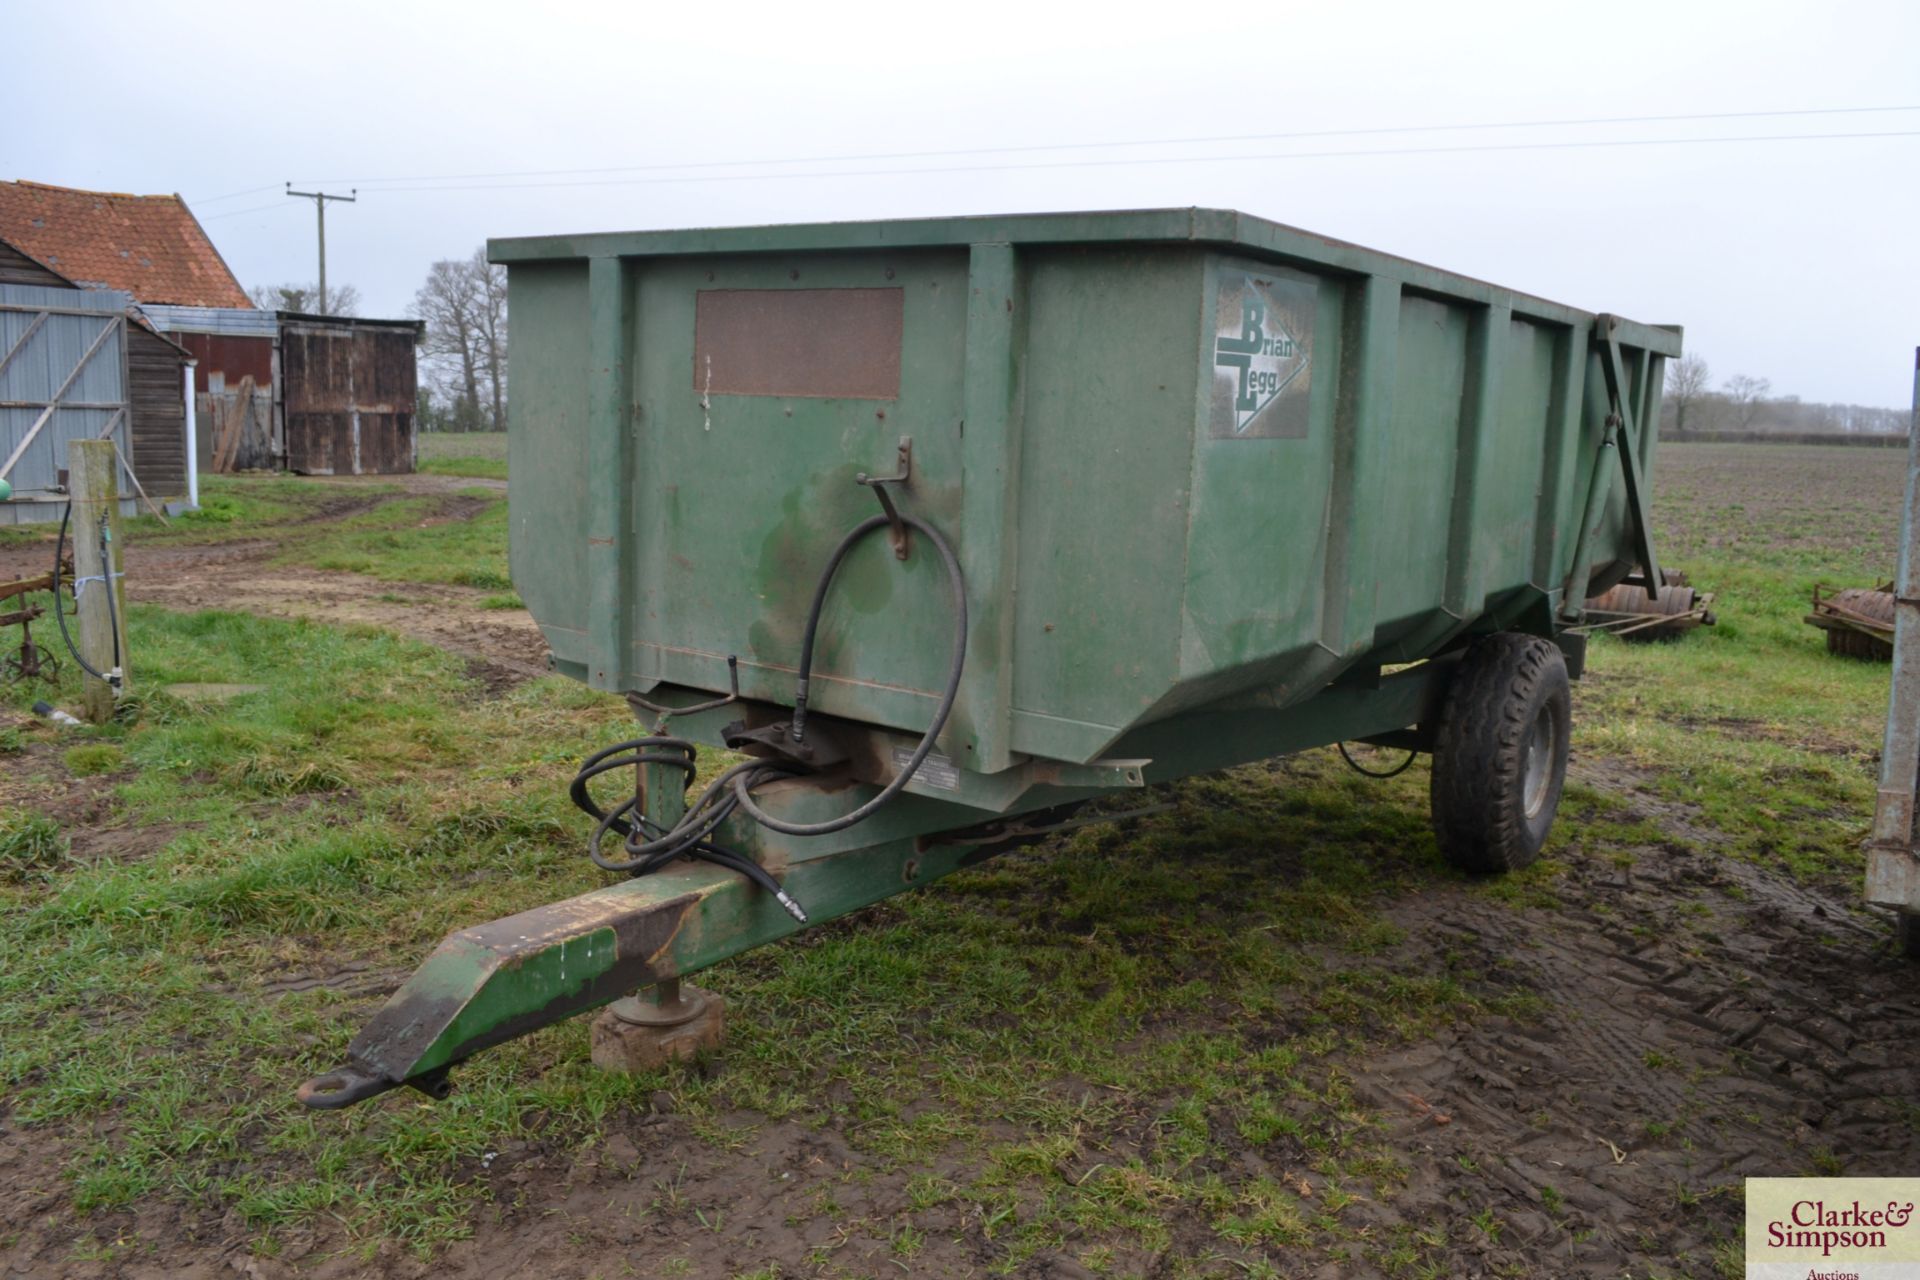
(47, 333)
(227, 320)
(233, 382)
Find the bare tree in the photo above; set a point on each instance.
(464, 304)
(293, 296)
(491, 292)
(450, 305)
(1747, 395)
(1687, 381)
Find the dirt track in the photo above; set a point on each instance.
(1704, 1020)
(238, 576)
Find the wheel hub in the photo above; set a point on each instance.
(1539, 765)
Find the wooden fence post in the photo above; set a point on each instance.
(93, 477)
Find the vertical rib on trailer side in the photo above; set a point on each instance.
(1893, 871)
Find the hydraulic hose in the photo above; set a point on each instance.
(957, 587)
(1359, 768)
(648, 846)
(60, 614)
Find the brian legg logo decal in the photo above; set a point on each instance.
(1832, 1229)
(1266, 361)
(1262, 354)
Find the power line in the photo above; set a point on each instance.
(234, 195)
(1146, 142)
(234, 213)
(1166, 160)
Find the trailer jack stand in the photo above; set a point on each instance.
(664, 1023)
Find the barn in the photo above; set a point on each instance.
(152, 250)
(322, 395)
(83, 364)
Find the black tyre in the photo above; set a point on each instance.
(1906, 936)
(1500, 755)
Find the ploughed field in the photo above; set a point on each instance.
(1264, 1033)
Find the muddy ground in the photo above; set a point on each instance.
(1671, 986)
(1692, 1020)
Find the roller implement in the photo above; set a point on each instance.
(947, 529)
(1859, 622)
(1627, 612)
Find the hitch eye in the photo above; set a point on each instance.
(342, 1087)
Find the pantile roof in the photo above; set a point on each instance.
(149, 246)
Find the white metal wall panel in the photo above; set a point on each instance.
(37, 371)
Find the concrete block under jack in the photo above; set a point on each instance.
(629, 1047)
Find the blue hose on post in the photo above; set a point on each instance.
(113, 616)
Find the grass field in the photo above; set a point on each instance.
(464, 453)
(1177, 1048)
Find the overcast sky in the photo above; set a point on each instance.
(1792, 260)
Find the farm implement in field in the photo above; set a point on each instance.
(30, 661)
(1859, 622)
(1629, 613)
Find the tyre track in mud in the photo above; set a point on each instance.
(1697, 1019)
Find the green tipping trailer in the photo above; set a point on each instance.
(1058, 507)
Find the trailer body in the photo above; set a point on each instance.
(1220, 489)
(1151, 519)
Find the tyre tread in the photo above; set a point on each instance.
(1479, 764)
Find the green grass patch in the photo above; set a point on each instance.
(94, 757)
(363, 804)
(30, 843)
(481, 454)
(479, 468)
(439, 446)
(458, 539)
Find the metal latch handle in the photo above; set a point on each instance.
(903, 454)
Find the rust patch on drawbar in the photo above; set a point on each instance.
(805, 343)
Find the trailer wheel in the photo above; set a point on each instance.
(1906, 936)
(1500, 755)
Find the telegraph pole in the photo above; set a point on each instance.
(320, 199)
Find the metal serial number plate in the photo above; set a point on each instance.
(936, 770)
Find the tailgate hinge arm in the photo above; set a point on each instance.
(1622, 433)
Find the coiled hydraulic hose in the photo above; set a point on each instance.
(649, 847)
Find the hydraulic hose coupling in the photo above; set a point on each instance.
(792, 908)
(799, 731)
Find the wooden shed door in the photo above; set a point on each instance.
(349, 400)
